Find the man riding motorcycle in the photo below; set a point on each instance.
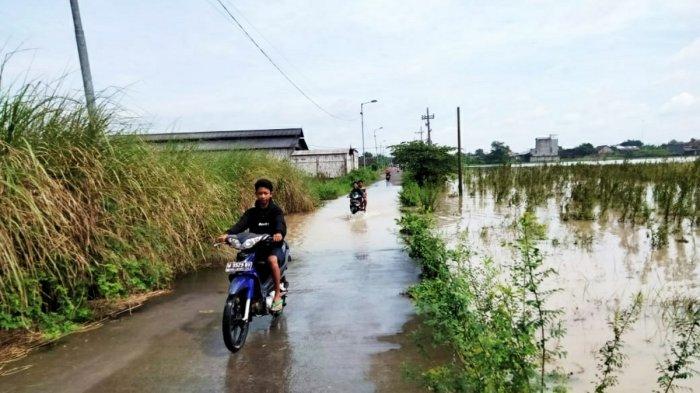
(265, 218)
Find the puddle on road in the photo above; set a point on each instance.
(601, 265)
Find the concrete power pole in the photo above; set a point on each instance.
(459, 155)
(83, 56)
(427, 119)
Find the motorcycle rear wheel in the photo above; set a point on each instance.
(234, 328)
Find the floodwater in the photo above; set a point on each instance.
(649, 160)
(601, 266)
(345, 318)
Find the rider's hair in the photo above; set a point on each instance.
(263, 183)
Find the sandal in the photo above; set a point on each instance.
(277, 305)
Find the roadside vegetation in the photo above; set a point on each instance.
(326, 189)
(497, 320)
(426, 169)
(89, 215)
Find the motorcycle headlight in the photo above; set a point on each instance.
(248, 243)
(233, 240)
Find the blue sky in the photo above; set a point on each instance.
(588, 71)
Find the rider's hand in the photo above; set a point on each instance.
(222, 238)
(277, 237)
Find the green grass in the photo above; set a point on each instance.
(327, 189)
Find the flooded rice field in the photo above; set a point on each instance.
(601, 265)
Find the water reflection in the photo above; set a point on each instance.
(269, 343)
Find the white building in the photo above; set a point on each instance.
(326, 163)
(546, 150)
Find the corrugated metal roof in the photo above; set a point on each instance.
(264, 143)
(233, 134)
(321, 152)
(248, 139)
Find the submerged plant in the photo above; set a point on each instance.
(529, 275)
(639, 193)
(610, 357)
(685, 324)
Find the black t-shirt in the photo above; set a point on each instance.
(269, 220)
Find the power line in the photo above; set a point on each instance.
(276, 66)
(281, 53)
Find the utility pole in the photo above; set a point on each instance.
(83, 56)
(362, 119)
(427, 119)
(459, 155)
(421, 133)
(376, 152)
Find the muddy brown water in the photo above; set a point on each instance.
(601, 265)
(340, 332)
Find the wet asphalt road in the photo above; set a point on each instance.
(339, 333)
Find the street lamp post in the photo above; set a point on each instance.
(376, 152)
(362, 119)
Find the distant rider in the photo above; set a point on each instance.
(265, 218)
(361, 186)
(358, 191)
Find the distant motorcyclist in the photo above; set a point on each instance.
(358, 193)
(387, 174)
(265, 218)
(361, 186)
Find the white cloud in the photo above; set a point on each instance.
(681, 101)
(688, 53)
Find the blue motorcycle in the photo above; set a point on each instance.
(251, 287)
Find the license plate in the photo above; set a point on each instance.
(241, 266)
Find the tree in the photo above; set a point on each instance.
(500, 153)
(632, 142)
(582, 150)
(428, 164)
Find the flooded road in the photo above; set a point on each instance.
(344, 315)
(601, 265)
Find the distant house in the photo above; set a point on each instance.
(326, 163)
(546, 150)
(626, 148)
(278, 142)
(691, 148)
(604, 150)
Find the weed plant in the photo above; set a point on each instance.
(529, 278)
(685, 323)
(495, 329)
(610, 357)
(425, 197)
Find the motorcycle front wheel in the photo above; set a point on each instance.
(235, 329)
